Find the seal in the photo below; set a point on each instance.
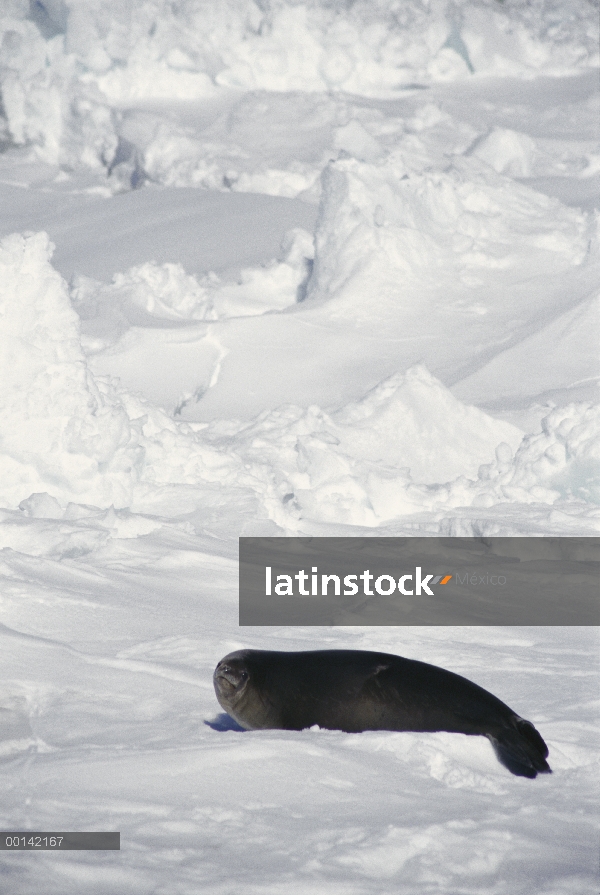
(356, 690)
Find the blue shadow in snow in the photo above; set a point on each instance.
(224, 722)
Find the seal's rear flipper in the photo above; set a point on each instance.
(521, 749)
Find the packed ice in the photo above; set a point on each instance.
(288, 268)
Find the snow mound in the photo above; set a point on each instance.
(508, 152)
(68, 67)
(70, 437)
(379, 459)
(57, 427)
(357, 466)
(64, 432)
(163, 291)
(560, 463)
(383, 224)
(413, 420)
(149, 294)
(144, 294)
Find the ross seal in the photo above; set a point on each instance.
(357, 690)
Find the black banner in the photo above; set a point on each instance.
(419, 581)
(20, 840)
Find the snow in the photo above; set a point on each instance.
(288, 268)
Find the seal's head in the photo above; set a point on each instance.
(231, 680)
(239, 681)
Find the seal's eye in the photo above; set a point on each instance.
(244, 675)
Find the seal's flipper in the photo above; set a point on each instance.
(522, 750)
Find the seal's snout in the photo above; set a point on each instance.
(228, 677)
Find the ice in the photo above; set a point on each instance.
(288, 267)
(365, 463)
(106, 57)
(56, 425)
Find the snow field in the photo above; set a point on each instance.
(284, 268)
(121, 729)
